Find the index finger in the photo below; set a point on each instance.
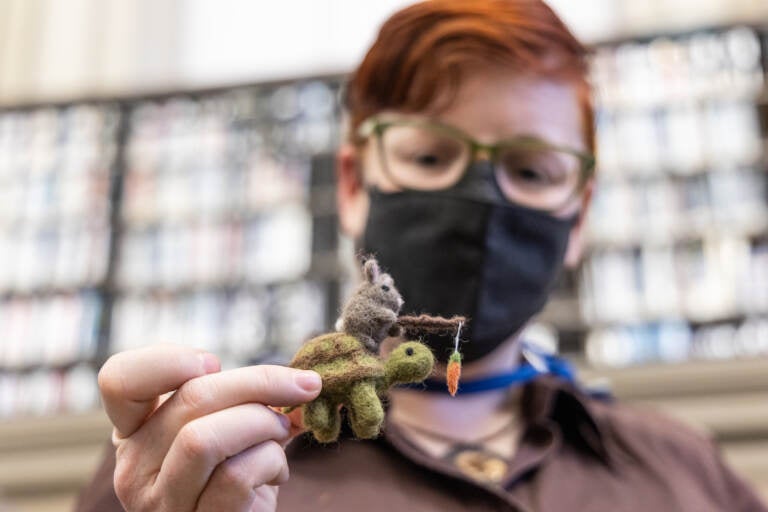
(131, 382)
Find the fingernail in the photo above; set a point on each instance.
(285, 420)
(308, 381)
(210, 362)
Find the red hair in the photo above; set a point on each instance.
(423, 51)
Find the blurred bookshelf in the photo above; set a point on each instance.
(676, 259)
(55, 236)
(207, 218)
(219, 206)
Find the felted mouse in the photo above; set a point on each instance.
(370, 314)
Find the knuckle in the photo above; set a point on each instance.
(124, 482)
(274, 454)
(276, 459)
(274, 451)
(195, 443)
(234, 475)
(269, 378)
(194, 394)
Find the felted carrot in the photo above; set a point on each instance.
(453, 371)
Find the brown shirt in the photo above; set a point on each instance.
(575, 453)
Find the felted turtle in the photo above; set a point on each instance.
(355, 378)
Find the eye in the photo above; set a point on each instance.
(385, 287)
(528, 174)
(409, 351)
(535, 167)
(427, 160)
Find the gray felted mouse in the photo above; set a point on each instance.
(370, 314)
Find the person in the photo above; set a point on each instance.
(467, 171)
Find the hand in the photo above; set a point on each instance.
(212, 445)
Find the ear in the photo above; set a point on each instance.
(371, 270)
(576, 240)
(351, 197)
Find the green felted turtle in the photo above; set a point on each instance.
(357, 379)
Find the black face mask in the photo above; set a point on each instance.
(466, 251)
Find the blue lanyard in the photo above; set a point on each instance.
(526, 372)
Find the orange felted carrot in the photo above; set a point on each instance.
(453, 371)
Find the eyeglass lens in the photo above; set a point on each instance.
(421, 157)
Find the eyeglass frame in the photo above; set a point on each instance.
(376, 125)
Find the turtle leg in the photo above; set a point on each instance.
(321, 416)
(365, 411)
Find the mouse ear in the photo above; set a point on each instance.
(371, 270)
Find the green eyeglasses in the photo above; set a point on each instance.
(423, 154)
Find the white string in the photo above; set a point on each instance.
(456, 341)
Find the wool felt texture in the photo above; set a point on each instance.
(370, 314)
(414, 326)
(357, 380)
(453, 373)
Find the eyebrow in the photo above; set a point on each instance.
(451, 128)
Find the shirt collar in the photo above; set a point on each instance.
(552, 399)
(553, 411)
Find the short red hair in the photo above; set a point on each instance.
(422, 52)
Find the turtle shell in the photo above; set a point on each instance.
(340, 359)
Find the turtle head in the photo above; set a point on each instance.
(409, 362)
